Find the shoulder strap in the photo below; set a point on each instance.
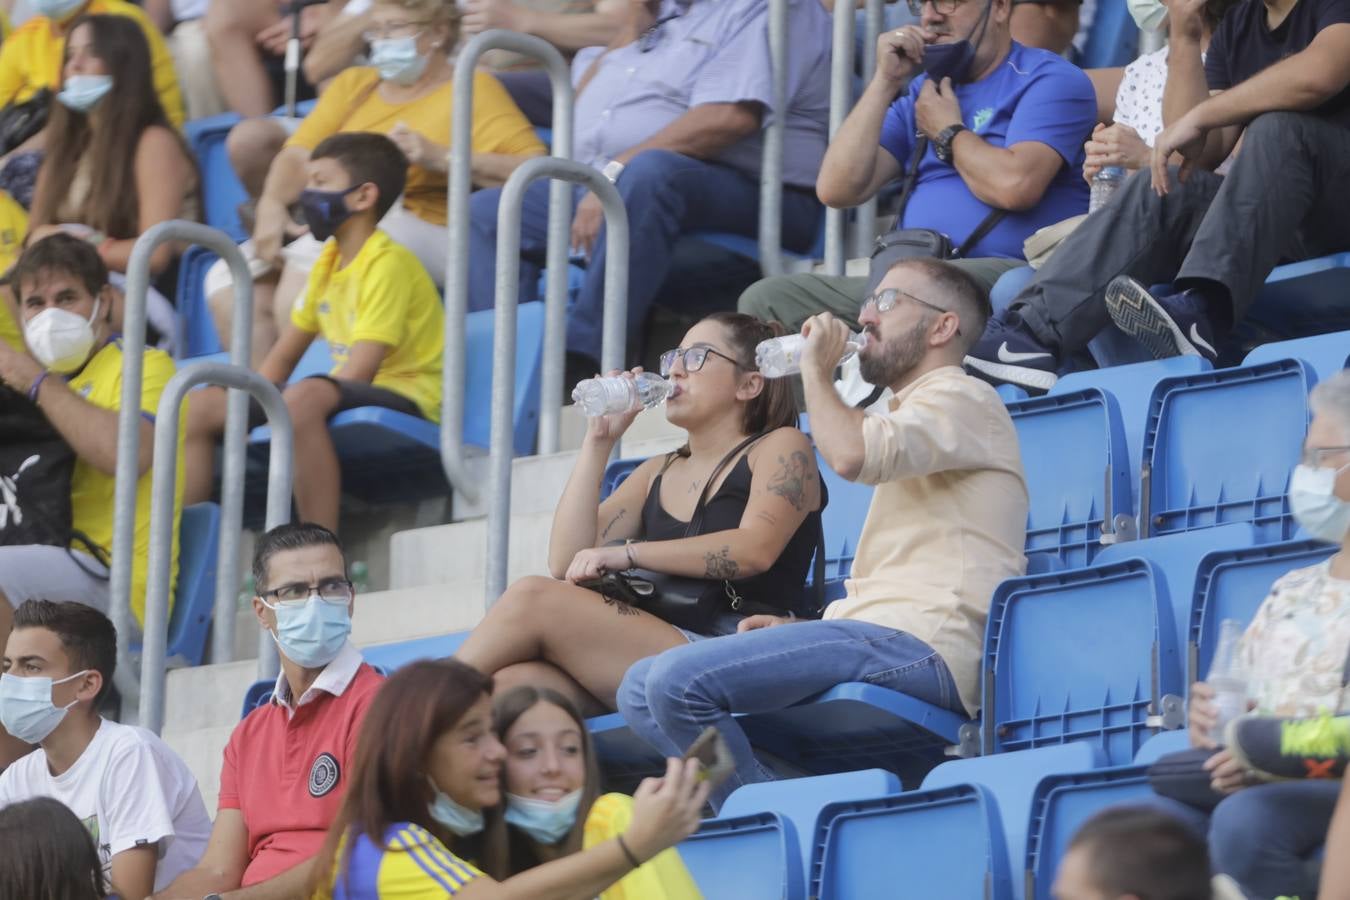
(911, 178)
(696, 520)
(987, 225)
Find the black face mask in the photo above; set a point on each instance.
(955, 59)
(325, 211)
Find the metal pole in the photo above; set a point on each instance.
(865, 223)
(162, 521)
(841, 101)
(771, 168)
(127, 472)
(457, 258)
(504, 331)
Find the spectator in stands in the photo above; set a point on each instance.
(946, 525)
(49, 854)
(288, 763)
(1278, 76)
(1133, 853)
(405, 93)
(183, 22)
(1047, 24)
(677, 131)
(248, 42)
(73, 371)
(755, 537)
(374, 304)
(1294, 653)
(1004, 134)
(428, 765)
(553, 805)
(129, 789)
(114, 164)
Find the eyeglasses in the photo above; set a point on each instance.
(393, 30)
(885, 301)
(694, 358)
(330, 590)
(943, 7)
(1316, 457)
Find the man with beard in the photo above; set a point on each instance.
(946, 525)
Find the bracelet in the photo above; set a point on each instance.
(37, 383)
(628, 548)
(632, 860)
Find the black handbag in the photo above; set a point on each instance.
(908, 243)
(36, 465)
(20, 121)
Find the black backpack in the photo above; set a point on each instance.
(36, 465)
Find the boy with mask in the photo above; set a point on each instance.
(369, 298)
(73, 372)
(286, 765)
(133, 793)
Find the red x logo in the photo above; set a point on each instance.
(1320, 769)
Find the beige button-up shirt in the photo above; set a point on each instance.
(947, 521)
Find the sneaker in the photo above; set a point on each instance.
(1283, 749)
(1167, 325)
(1011, 353)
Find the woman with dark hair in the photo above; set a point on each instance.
(553, 803)
(756, 475)
(427, 765)
(48, 854)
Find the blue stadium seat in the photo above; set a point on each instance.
(392, 657)
(1113, 39)
(221, 190)
(616, 473)
(954, 837)
(1326, 353)
(1011, 392)
(195, 592)
(198, 332)
(752, 857)
(1302, 298)
(1077, 470)
(1220, 446)
(1114, 658)
(842, 521)
(258, 693)
(749, 247)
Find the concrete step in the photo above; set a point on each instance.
(203, 750)
(441, 554)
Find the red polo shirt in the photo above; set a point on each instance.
(286, 766)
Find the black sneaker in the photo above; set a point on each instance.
(1166, 324)
(1011, 353)
(1280, 749)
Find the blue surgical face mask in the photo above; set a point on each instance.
(56, 9)
(82, 92)
(546, 821)
(1147, 14)
(26, 708)
(313, 633)
(1313, 501)
(955, 59)
(461, 820)
(398, 60)
(325, 211)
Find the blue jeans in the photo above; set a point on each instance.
(669, 699)
(1266, 837)
(666, 194)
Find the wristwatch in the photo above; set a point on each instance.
(612, 170)
(213, 896)
(942, 144)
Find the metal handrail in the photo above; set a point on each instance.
(865, 221)
(162, 524)
(613, 330)
(841, 101)
(457, 258)
(771, 164)
(127, 472)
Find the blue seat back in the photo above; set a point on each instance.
(478, 377)
(842, 520)
(195, 592)
(1327, 354)
(1220, 447)
(1080, 655)
(751, 857)
(1299, 299)
(198, 337)
(222, 191)
(392, 657)
(258, 694)
(1113, 39)
(1077, 470)
(616, 473)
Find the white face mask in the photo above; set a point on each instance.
(56, 9)
(457, 817)
(546, 821)
(1313, 501)
(60, 339)
(1147, 14)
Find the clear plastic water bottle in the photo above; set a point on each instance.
(1227, 677)
(619, 394)
(1104, 186)
(781, 356)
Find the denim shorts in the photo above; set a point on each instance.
(723, 623)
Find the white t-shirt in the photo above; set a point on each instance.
(129, 789)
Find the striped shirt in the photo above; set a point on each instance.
(411, 865)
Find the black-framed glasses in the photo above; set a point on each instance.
(1316, 457)
(944, 7)
(329, 590)
(885, 300)
(694, 358)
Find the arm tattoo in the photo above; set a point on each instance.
(791, 479)
(604, 535)
(721, 565)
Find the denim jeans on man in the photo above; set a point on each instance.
(669, 699)
(666, 194)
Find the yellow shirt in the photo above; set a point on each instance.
(91, 491)
(384, 295)
(353, 103)
(663, 877)
(10, 332)
(409, 864)
(13, 229)
(947, 521)
(31, 57)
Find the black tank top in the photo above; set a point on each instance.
(782, 584)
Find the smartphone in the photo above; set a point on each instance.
(711, 750)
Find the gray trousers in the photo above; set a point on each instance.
(792, 299)
(1284, 199)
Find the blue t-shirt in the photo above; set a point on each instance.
(1033, 96)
